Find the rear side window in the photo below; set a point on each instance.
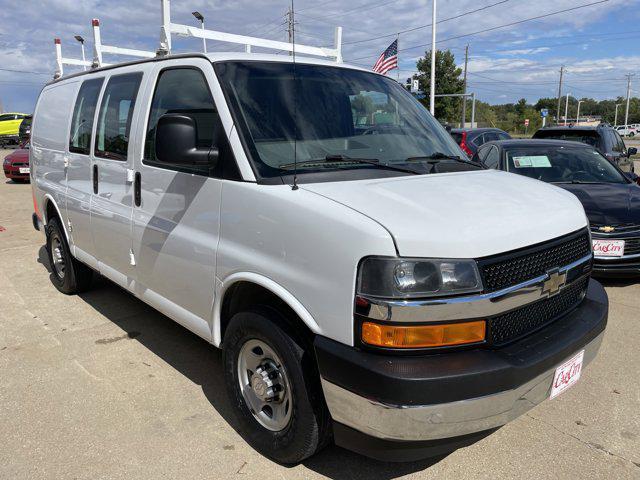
(183, 91)
(116, 114)
(618, 143)
(493, 158)
(4, 118)
(457, 136)
(83, 113)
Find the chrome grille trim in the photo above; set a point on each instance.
(472, 306)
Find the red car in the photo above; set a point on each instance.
(16, 164)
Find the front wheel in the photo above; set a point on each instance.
(273, 384)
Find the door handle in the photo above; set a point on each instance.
(95, 178)
(137, 189)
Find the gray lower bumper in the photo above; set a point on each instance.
(445, 420)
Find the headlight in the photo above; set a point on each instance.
(412, 277)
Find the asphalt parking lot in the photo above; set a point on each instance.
(102, 386)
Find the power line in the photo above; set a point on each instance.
(427, 25)
(359, 9)
(23, 71)
(510, 24)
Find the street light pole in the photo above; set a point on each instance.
(626, 112)
(566, 109)
(432, 87)
(200, 17)
(81, 40)
(615, 118)
(578, 114)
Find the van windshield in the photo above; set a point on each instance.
(334, 114)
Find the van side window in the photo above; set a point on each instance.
(116, 114)
(83, 113)
(185, 91)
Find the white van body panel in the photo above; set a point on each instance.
(48, 150)
(454, 215)
(307, 244)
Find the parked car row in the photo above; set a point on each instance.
(594, 164)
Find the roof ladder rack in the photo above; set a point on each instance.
(60, 60)
(168, 28)
(99, 48)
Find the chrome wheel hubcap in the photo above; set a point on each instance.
(264, 385)
(56, 255)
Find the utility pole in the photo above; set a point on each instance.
(566, 109)
(464, 88)
(615, 118)
(290, 25)
(626, 112)
(432, 86)
(559, 96)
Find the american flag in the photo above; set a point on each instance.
(388, 60)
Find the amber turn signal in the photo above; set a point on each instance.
(423, 336)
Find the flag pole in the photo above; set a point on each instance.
(432, 98)
(398, 55)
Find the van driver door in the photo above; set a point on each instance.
(176, 216)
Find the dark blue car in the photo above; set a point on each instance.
(611, 198)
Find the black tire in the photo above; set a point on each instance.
(308, 428)
(71, 276)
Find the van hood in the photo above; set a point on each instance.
(463, 214)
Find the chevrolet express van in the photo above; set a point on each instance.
(366, 284)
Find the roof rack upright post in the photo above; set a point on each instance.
(337, 43)
(97, 43)
(165, 29)
(59, 70)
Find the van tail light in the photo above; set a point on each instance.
(463, 145)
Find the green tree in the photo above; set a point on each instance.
(363, 108)
(447, 81)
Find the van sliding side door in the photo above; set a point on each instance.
(112, 197)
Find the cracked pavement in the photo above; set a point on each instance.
(102, 386)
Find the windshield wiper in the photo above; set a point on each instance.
(578, 182)
(329, 159)
(438, 157)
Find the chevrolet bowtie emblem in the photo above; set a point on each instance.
(607, 229)
(555, 282)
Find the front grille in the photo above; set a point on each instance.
(619, 228)
(510, 269)
(517, 323)
(632, 246)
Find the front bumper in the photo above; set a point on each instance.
(452, 397)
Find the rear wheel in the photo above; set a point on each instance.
(67, 274)
(273, 384)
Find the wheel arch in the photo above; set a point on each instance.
(243, 290)
(50, 209)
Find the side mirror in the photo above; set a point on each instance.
(176, 142)
(631, 151)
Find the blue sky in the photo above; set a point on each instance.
(598, 45)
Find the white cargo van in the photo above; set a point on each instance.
(365, 283)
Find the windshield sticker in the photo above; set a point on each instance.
(534, 161)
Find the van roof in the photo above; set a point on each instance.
(218, 57)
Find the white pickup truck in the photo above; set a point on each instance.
(366, 283)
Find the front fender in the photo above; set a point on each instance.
(223, 286)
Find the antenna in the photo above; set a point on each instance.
(295, 98)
